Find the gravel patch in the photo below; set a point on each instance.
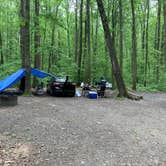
(51, 131)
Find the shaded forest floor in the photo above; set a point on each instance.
(50, 131)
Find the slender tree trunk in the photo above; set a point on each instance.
(113, 18)
(112, 52)
(43, 41)
(96, 36)
(1, 52)
(22, 33)
(84, 56)
(92, 38)
(52, 45)
(44, 37)
(37, 35)
(76, 32)
(80, 46)
(134, 48)
(52, 57)
(7, 57)
(143, 39)
(147, 44)
(92, 27)
(142, 22)
(10, 41)
(164, 12)
(95, 51)
(68, 28)
(25, 41)
(36, 40)
(143, 26)
(59, 39)
(155, 45)
(121, 34)
(88, 69)
(158, 40)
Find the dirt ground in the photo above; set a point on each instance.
(51, 131)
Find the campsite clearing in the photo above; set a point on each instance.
(50, 131)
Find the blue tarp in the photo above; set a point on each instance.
(41, 74)
(15, 77)
(11, 80)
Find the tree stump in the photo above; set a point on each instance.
(8, 100)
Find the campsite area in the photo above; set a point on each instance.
(51, 131)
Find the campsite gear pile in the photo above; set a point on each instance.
(100, 88)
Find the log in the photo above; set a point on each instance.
(134, 95)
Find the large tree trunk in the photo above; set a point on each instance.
(147, 44)
(25, 41)
(80, 47)
(164, 12)
(134, 48)
(36, 40)
(112, 52)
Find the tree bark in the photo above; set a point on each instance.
(25, 41)
(134, 48)
(112, 52)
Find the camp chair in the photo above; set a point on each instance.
(85, 90)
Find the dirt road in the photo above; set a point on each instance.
(50, 131)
